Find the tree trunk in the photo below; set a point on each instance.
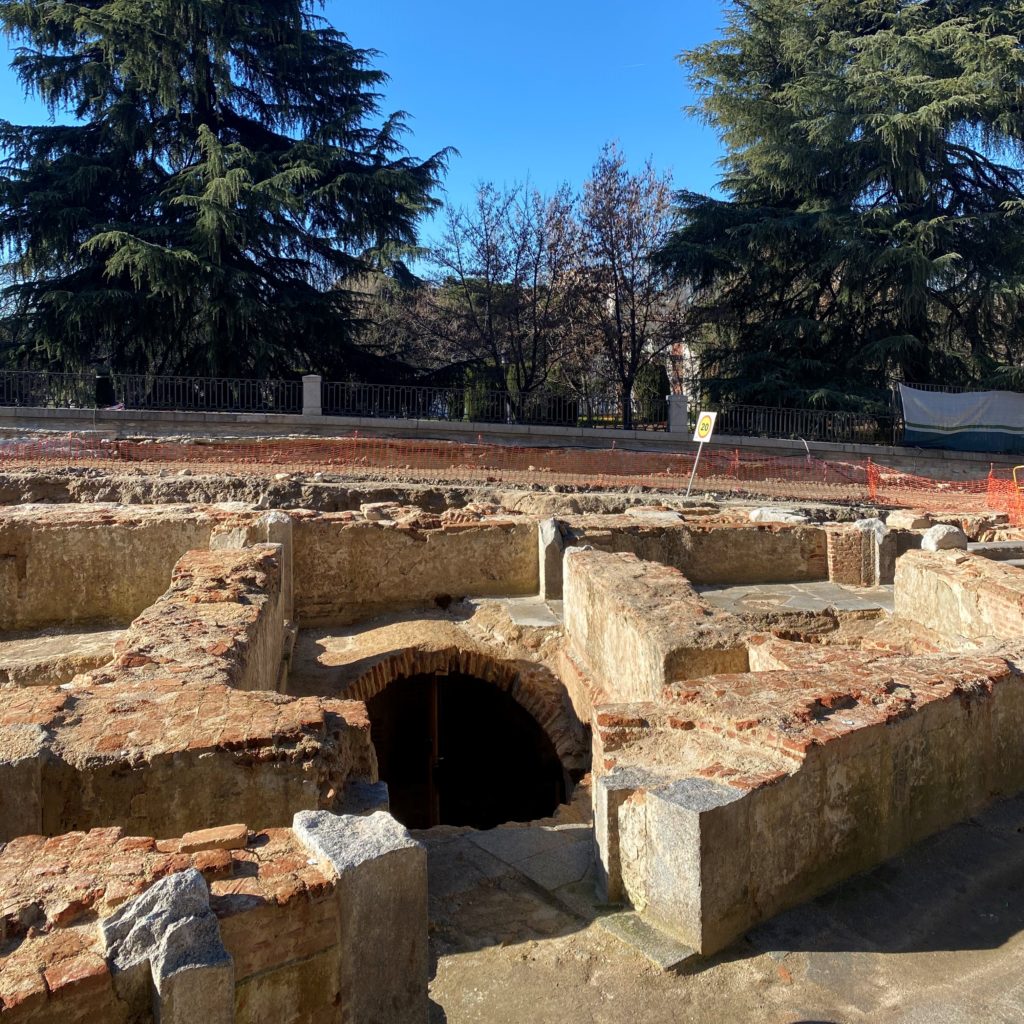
(626, 403)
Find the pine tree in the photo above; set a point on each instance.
(871, 221)
(225, 170)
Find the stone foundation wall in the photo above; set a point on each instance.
(183, 729)
(710, 553)
(56, 656)
(347, 571)
(227, 926)
(220, 621)
(94, 564)
(165, 737)
(159, 758)
(959, 594)
(880, 756)
(633, 626)
(722, 795)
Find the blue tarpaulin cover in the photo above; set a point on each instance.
(973, 421)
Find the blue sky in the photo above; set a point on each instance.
(530, 89)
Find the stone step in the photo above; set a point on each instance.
(662, 949)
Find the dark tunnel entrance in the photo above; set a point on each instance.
(455, 750)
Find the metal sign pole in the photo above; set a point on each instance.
(705, 428)
(696, 462)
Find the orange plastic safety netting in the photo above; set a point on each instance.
(721, 471)
(891, 488)
(1005, 496)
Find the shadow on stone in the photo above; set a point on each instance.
(962, 889)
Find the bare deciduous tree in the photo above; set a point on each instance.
(546, 294)
(628, 304)
(503, 266)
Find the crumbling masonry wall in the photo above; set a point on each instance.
(92, 564)
(803, 789)
(959, 594)
(633, 625)
(737, 770)
(221, 620)
(709, 552)
(106, 914)
(181, 724)
(325, 920)
(721, 799)
(355, 570)
(158, 759)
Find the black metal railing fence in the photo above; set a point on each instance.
(477, 404)
(208, 394)
(45, 390)
(833, 426)
(487, 405)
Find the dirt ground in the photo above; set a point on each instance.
(326, 492)
(933, 937)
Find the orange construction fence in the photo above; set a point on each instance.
(1005, 494)
(735, 472)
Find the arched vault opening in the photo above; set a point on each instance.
(466, 739)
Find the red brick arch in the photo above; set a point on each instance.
(532, 686)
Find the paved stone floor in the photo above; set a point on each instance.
(935, 936)
(532, 611)
(803, 597)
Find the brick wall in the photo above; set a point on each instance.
(850, 556)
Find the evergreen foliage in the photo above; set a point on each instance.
(225, 170)
(871, 225)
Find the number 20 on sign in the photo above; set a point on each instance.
(705, 428)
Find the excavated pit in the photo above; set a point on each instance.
(697, 718)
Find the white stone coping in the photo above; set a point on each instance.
(345, 841)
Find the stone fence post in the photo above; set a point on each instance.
(678, 414)
(311, 391)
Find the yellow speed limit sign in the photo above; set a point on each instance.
(705, 426)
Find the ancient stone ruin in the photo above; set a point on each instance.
(225, 730)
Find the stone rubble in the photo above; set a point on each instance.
(944, 538)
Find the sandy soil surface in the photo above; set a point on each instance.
(933, 937)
